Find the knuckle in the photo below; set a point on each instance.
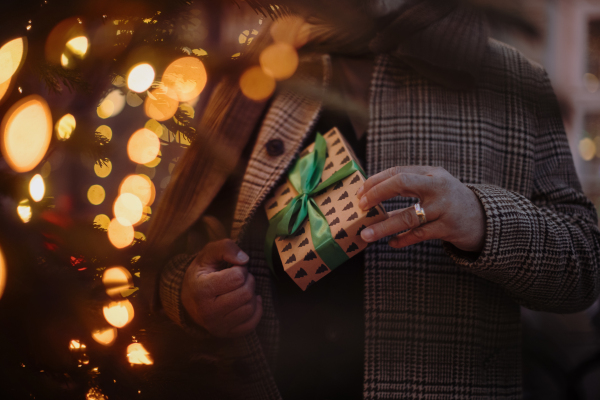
(407, 218)
(246, 296)
(237, 277)
(418, 233)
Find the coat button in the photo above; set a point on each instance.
(275, 147)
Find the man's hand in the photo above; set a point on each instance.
(222, 301)
(453, 212)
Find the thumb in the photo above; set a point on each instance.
(222, 251)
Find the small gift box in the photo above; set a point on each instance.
(314, 217)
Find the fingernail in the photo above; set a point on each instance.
(360, 191)
(243, 257)
(363, 203)
(367, 234)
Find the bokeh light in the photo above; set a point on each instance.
(587, 149)
(257, 85)
(2, 273)
(116, 280)
(140, 186)
(76, 344)
(103, 170)
(96, 194)
(4, 88)
(105, 337)
(128, 209)
(187, 77)
(12, 55)
(134, 100)
(65, 127)
(279, 60)
(143, 146)
(66, 38)
(24, 211)
(78, 46)
(156, 127)
(37, 189)
(112, 105)
(102, 220)
(26, 132)
(161, 104)
(118, 313)
(105, 132)
(120, 235)
(140, 78)
(137, 354)
(290, 29)
(152, 164)
(139, 236)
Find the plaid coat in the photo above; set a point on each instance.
(440, 323)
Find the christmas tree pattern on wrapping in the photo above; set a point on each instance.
(339, 205)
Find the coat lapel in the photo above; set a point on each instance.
(289, 120)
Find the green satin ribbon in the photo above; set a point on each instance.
(305, 177)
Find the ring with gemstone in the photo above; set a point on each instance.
(420, 213)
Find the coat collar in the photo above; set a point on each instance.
(292, 115)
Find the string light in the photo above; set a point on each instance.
(65, 127)
(140, 77)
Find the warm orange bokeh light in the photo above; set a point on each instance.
(257, 85)
(2, 273)
(291, 30)
(65, 127)
(140, 78)
(102, 221)
(116, 280)
(26, 132)
(78, 46)
(140, 186)
(112, 105)
(137, 354)
(66, 38)
(96, 195)
(118, 313)
(4, 88)
(161, 104)
(106, 336)
(12, 55)
(24, 211)
(143, 146)
(187, 77)
(75, 344)
(120, 235)
(128, 209)
(37, 189)
(279, 60)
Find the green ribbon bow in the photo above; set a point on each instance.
(305, 177)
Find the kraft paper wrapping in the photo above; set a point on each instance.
(338, 203)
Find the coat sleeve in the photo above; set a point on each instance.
(170, 284)
(543, 250)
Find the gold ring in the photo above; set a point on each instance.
(420, 213)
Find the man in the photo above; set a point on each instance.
(466, 127)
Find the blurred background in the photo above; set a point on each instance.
(99, 101)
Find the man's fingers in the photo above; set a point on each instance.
(400, 220)
(242, 314)
(407, 185)
(388, 173)
(230, 301)
(424, 232)
(225, 281)
(251, 324)
(225, 250)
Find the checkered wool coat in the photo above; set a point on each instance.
(440, 324)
